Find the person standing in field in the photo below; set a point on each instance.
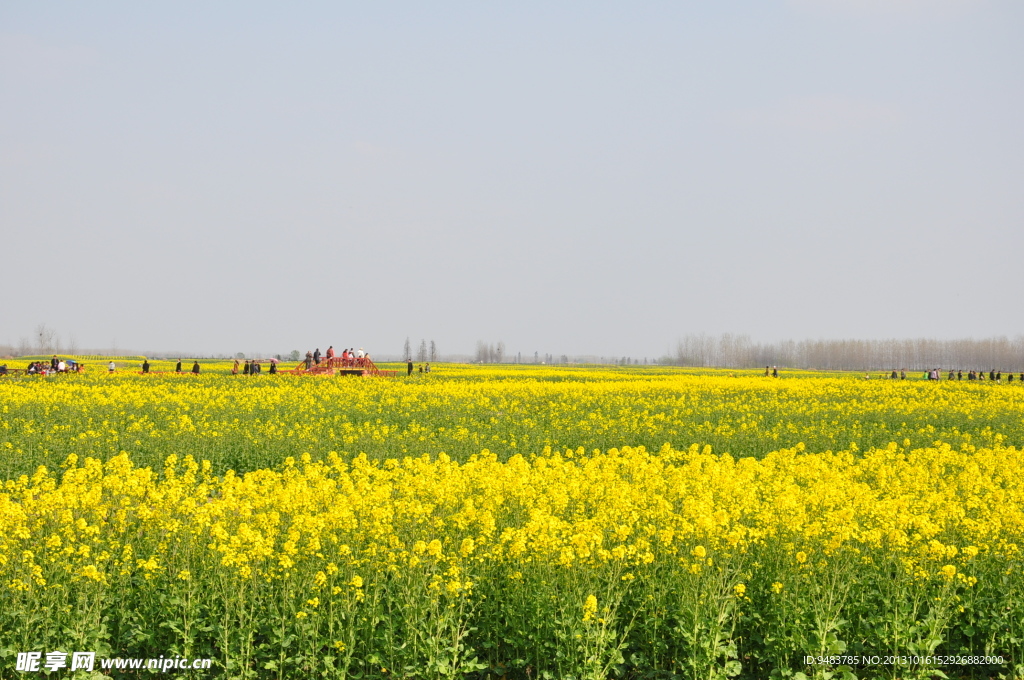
(893, 376)
(330, 353)
(316, 356)
(960, 375)
(110, 367)
(177, 367)
(309, 360)
(408, 368)
(767, 371)
(775, 371)
(195, 367)
(145, 365)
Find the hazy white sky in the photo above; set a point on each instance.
(579, 178)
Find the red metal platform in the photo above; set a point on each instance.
(339, 366)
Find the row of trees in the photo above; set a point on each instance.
(495, 353)
(44, 340)
(424, 353)
(740, 351)
(490, 353)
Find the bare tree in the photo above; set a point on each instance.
(421, 354)
(433, 351)
(407, 351)
(46, 339)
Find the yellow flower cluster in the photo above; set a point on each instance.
(104, 520)
(251, 423)
(280, 521)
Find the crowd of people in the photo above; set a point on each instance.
(349, 358)
(54, 366)
(58, 365)
(936, 374)
(352, 358)
(253, 367)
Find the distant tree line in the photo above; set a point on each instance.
(701, 350)
(740, 351)
(424, 353)
(495, 353)
(490, 353)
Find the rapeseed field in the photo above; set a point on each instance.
(517, 522)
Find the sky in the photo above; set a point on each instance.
(567, 178)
